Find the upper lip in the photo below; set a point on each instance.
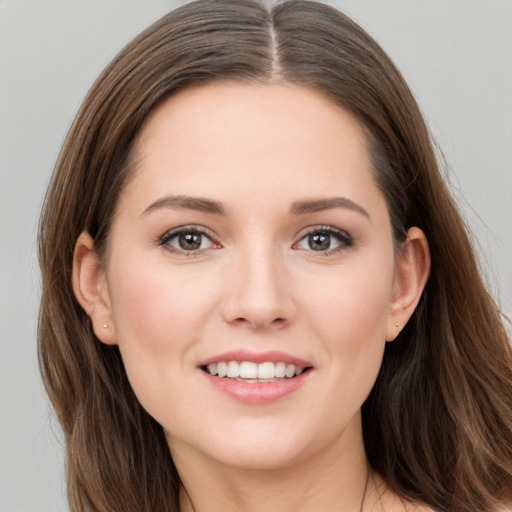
(256, 357)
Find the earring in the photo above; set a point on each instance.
(105, 326)
(396, 325)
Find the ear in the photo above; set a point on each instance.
(411, 274)
(91, 290)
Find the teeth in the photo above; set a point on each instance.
(222, 369)
(266, 371)
(233, 370)
(248, 370)
(290, 370)
(253, 371)
(280, 369)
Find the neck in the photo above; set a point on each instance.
(332, 480)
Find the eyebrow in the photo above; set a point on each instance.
(204, 205)
(199, 204)
(318, 205)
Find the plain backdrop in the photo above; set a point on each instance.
(455, 54)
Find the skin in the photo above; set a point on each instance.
(256, 283)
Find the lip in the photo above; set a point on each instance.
(256, 393)
(272, 356)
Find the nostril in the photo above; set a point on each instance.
(258, 323)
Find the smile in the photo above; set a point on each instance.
(256, 378)
(253, 373)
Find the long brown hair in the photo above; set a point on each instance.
(438, 423)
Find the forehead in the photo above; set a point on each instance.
(262, 113)
(211, 138)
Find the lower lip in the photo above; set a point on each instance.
(257, 393)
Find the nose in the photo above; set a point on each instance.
(259, 294)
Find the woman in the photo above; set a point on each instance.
(257, 291)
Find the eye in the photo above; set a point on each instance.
(326, 239)
(187, 240)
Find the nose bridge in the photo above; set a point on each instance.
(258, 294)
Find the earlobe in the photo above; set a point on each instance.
(90, 288)
(411, 275)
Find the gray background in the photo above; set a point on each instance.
(456, 55)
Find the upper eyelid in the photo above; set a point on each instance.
(171, 233)
(325, 228)
(346, 239)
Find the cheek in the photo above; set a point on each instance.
(141, 309)
(354, 305)
(349, 314)
(158, 316)
(154, 308)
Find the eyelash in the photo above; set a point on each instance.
(186, 230)
(344, 239)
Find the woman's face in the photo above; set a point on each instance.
(252, 232)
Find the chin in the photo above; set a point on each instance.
(262, 458)
(267, 448)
